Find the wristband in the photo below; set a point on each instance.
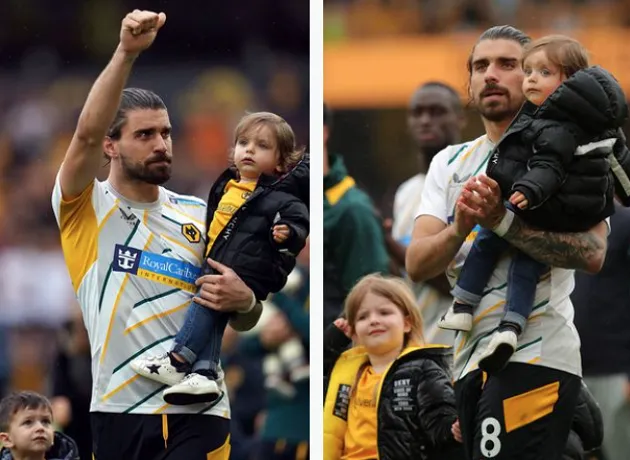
(252, 305)
(505, 224)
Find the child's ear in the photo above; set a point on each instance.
(5, 439)
(407, 325)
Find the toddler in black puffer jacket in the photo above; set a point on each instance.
(257, 223)
(572, 111)
(391, 397)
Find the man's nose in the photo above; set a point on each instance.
(491, 74)
(425, 118)
(161, 144)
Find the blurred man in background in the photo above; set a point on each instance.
(602, 317)
(354, 244)
(435, 120)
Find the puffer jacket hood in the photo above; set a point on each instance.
(297, 181)
(591, 98)
(64, 448)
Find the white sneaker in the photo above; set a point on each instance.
(158, 368)
(194, 389)
(499, 351)
(456, 321)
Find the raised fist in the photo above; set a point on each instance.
(139, 29)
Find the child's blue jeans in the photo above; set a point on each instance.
(523, 276)
(199, 339)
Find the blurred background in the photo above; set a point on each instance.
(212, 62)
(377, 54)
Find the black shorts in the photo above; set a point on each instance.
(160, 437)
(522, 413)
(282, 450)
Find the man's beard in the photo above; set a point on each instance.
(147, 171)
(496, 114)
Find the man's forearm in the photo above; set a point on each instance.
(578, 251)
(104, 97)
(429, 256)
(245, 321)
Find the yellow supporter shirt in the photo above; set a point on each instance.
(234, 195)
(360, 437)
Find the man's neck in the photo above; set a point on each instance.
(495, 129)
(138, 191)
(423, 161)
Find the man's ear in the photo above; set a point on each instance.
(109, 148)
(5, 439)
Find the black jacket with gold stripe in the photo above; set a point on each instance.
(415, 405)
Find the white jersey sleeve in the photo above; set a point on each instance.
(434, 194)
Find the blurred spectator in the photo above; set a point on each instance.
(266, 399)
(602, 317)
(353, 238)
(72, 384)
(435, 119)
(358, 19)
(285, 432)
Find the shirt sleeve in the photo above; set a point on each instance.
(434, 193)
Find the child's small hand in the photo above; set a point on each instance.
(280, 233)
(518, 199)
(456, 431)
(342, 323)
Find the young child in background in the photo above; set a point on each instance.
(257, 223)
(571, 110)
(26, 430)
(391, 396)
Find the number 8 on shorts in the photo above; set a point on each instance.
(490, 443)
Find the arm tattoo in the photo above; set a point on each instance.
(563, 250)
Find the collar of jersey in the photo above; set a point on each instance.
(136, 204)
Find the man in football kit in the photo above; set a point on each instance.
(524, 412)
(134, 251)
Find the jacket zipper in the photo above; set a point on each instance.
(507, 130)
(235, 216)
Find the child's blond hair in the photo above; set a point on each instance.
(397, 292)
(564, 52)
(290, 155)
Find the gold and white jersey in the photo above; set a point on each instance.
(133, 267)
(550, 338)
